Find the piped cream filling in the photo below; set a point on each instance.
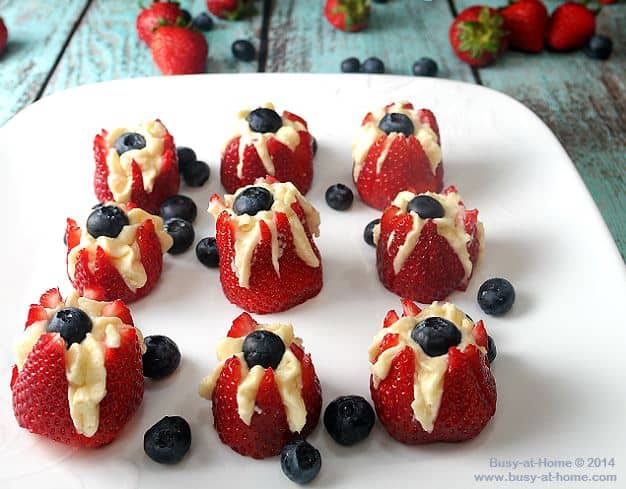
(369, 133)
(149, 159)
(248, 231)
(429, 371)
(288, 377)
(123, 251)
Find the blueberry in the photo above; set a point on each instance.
(186, 156)
(252, 200)
(373, 65)
(314, 145)
(425, 67)
(181, 232)
(599, 47)
(339, 197)
(349, 419)
(351, 65)
(179, 206)
(426, 207)
(203, 22)
(396, 122)
(161, 358)
(185, 17)
(243, 50)
(167, 441)
(196, 174)
(263, 348)
(300, 461)
(496, 296)
(368, 233)
(436, 335)
(207, 252)
(264, 120)
(128, 141)
(381, 1)
(72, 323)
(492, 351)
(106, 220)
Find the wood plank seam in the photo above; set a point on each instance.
(265, 28)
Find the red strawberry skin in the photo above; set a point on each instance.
(4, 35)
(350, 20)
(179, 50)
(527, 22)
(228, 9)
(290, 166)
(165, 185)
(571, 26)
(151, 17)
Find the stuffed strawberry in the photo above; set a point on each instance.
(430, 376)
(78, 376)
(178, 50)
(571, 26)
(397, 148)
(348, 15)
(136, 164)
(4, 35)
(268, 260)
(427, 245)
(118, 253)
(478, 36)
(266, 143)
(526, 22)
(230, 9)
(265, 391)
(158, 13)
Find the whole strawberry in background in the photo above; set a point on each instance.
(179, 50)
(153, 16)
(526, 21)
(230, 9)
(348, 15)
(478, 36)
(4, 35)
(570, 27)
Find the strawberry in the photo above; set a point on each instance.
(4, 35)
(155, 15)
(179, 50)
(478, 36)
(242, 326)
(348, 15)
(118, 309)
(230, 9)
(570, 27)
(51, 298)
(526, 21)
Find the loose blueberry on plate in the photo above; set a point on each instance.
(106, 220)
(128, 141)
(351, 65)
(185, 16)
(368, 232)
(496, 296)
(186, 156)
(181, 232)
(373, 65)
(396, 122)
(426, 207)
(599, 47)
(167, 441)
(203, 22)
(161, 358)
(300, 461)
(207, 252)
(243, 50)
(179, 206)
(492, 351)
(196, 174)
(349, 419)
(425, 67)
(252, 200)
(264, 120)
(339, 197)
(436, 335)
(263, 348)
(72, 323)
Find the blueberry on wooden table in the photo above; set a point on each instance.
(196, 174)
(373, 65)
(350, 65)
(425, 67)
(128, 141)
(349, 419)
(263, 348)
(168, 441)
(71, 323)
(396, 122)
(106, 220)
(426, 207)
(181, 232)
(203, 22)
(496, 296)
(436, 335)
(339, 197)
(162, 357)
(599, 47)
(243, 50)
(368, 232)
(207, 252)
(300, 461)
(264, 120)
(252, 200)
(179, 206)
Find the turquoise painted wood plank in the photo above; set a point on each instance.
(106, 47)
(400, 32)
(34, 44)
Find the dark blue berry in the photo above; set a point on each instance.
(207, 252)
(161, 358)
(314, 145)
(351, 65)
(496, 296)
(252, 200)
(106, 220)
(181, 232)
(243, 50)
(339, 197)
(72, 323)
(196, 174)
(426, 207)
(396, 122)
(167, 441)
(300, 461)
(349, 419)
(425, 67)
(203, 22)
(186, 156)
(263, 348)
(368, 233)
(381, 1)
(436, 335)
(599, 47)
(373, 65)
(185, 17)
(128, 141)
(492, 351)
(179, 206)
(264, 120)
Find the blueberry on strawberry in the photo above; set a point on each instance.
(426, 207)
(72, 323)
(373, 65)
(129, 141)
(179, 206)
(243, 50)
(161, 358)
(181, 232)
(436, 335)
(168, 441)
(397, 122)
(349, 419)
(106, 220)
(339, 197)
(264, 120)
(300, 461)
(253, 200)
(425, 67)
(496, 296)
(368, 232)
(207, 252)
(263, 348)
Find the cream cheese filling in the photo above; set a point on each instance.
(429, 371)
(149, 159)
(288, 377)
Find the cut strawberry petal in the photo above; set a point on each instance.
(390, 318)
(36, 313)
(389, 341)
(243, 325)
(118, 309)
(409, 308)
(51, 298)
(480, 334)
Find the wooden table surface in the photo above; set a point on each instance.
(59, 44)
